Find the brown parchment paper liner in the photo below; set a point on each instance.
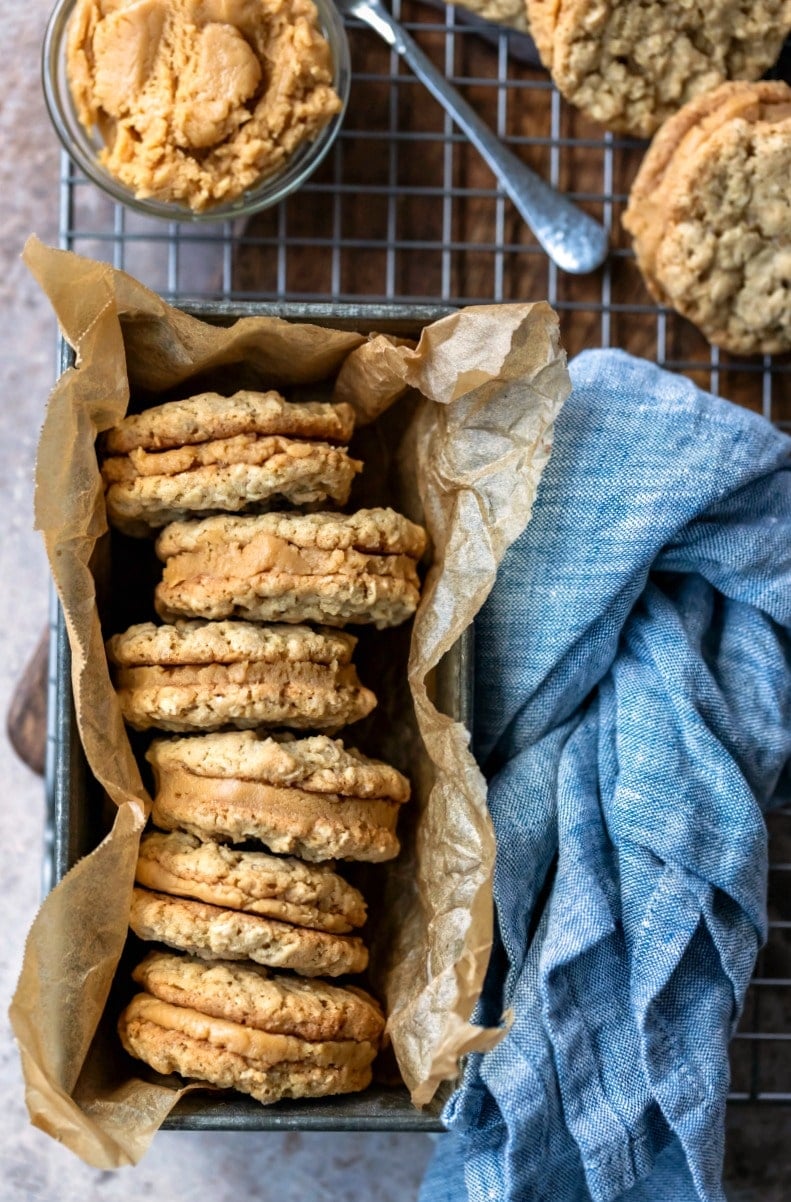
(493, 379)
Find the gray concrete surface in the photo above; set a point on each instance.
(288, 1167)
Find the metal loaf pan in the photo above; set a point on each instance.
(78, 815)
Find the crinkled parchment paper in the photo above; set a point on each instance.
(473, 447)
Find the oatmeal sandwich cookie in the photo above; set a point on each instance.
(285, 567)
(204, 675)
(212, 453)
(311, 797)
(238, 1027)
(217, 933)
(632, 65)
(254, 996)
(251, 881)
(710, 215)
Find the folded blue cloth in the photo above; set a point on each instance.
(632, 716)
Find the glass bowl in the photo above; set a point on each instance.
(83, 147)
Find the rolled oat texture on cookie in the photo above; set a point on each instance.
(240, 1027)
(209, 416)
(632, 65)
(253, 882)
(176, 1039)
(217, 933)
(710, 216)
(211, 454)
(206, 675)
(310, 797)
(257, 997)
(319, 567)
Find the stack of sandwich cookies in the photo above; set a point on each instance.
(238, 1027)
(205, 675)
(216, 878)
(310, 797)
(283, 567)
(212, 454)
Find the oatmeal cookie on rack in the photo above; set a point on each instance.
(710, 216)
(631, 65)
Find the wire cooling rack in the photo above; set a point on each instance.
(404, 210)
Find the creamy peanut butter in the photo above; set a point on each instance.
(198, 100)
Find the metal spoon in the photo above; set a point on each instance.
(570, 237)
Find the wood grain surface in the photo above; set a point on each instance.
(26, 721)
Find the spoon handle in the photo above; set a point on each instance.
(571, 238)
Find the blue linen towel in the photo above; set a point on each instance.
(632, 715)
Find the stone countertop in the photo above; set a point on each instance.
(283, 1167)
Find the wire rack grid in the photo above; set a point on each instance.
(404, 210)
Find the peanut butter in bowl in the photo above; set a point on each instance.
(198, 101)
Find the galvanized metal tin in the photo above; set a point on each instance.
(77, 815)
